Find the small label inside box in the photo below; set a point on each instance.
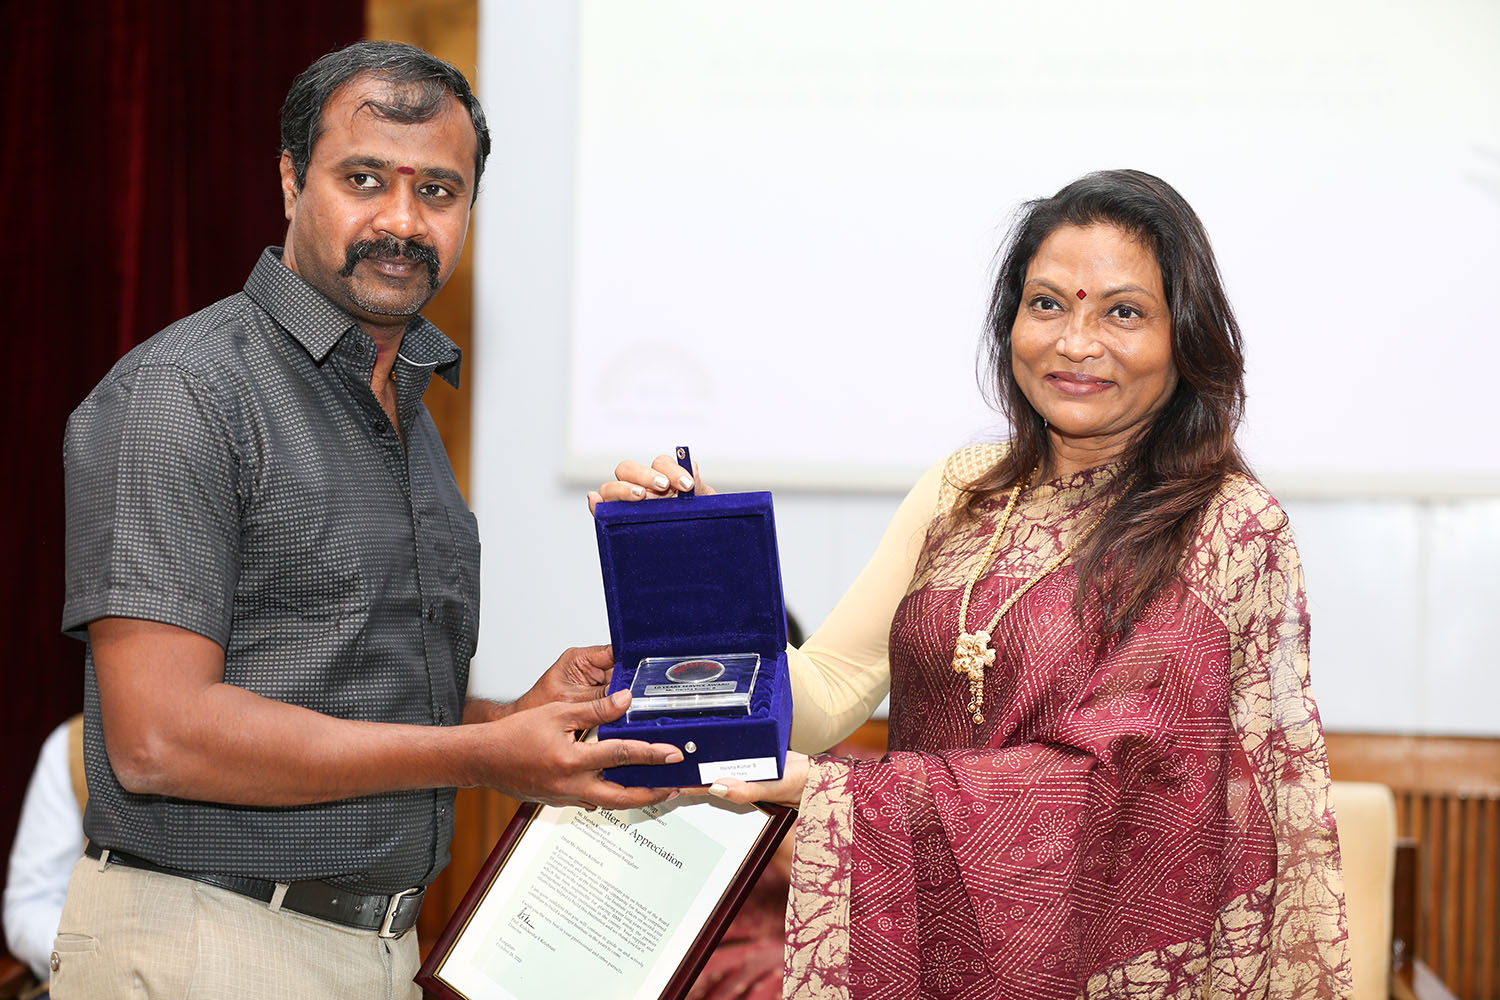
(717, 687)
(748, 769)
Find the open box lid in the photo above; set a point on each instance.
(691, 575)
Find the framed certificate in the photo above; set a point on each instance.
(603, 903)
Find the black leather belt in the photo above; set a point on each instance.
(392, 916)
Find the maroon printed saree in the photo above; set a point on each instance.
(1150, 820)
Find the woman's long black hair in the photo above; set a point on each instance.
(1174, 466)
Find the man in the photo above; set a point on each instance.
(278, 581)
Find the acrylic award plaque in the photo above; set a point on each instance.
(714, 684)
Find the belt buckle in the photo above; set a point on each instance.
(390, 913)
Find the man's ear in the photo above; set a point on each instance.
(288, 185)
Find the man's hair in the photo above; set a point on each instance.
(420, 85)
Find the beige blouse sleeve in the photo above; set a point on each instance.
(841, 674)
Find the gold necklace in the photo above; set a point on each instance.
(973, 653)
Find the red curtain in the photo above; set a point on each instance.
(138, 184)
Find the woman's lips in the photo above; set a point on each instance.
(1077, 383)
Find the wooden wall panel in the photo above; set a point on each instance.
(449, 29)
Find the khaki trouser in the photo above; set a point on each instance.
(140, 935)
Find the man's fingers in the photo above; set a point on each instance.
(598, 659)
(582, 670)
(613, 796)
(614, 753)
(588, 714)
(563, 801)
(622, 753)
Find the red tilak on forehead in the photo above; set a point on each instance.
(405, 170)
(1081, 293)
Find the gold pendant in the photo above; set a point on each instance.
(971, 656)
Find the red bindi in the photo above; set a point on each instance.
(405, 170)
(1081, 293)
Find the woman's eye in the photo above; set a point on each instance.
(1045, 303)
(365, 181)
(1126, 312)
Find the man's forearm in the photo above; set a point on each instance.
(485, 710)
(236, 747)
(172, 726)
(277, 754)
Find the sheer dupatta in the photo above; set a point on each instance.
(1147, 820)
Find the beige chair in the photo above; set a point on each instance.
(1367, 839)
(1366, 814)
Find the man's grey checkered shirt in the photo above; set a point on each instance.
(234, 475)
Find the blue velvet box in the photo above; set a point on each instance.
(695, 576)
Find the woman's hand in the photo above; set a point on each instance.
(662, 478)
(785, 791)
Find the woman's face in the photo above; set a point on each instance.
(1091, 346)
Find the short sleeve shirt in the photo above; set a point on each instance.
(235, 476)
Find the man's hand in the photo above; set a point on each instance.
(537, 755)
(580, 674)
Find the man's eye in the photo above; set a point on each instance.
(435, 191)
(365, 181)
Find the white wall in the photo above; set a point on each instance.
(1405, 598)
(1403, 589)
(808, 195)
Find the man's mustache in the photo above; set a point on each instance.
(388, 247)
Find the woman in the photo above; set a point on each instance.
(1107, 775)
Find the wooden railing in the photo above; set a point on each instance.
(1447, 801)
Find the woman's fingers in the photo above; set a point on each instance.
(635, 481)
(667, 469)
(734, 790)
(649, 478)
(786, 790)
(618, 490)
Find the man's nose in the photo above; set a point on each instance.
(399, 214)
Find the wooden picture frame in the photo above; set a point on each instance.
(533, 922)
